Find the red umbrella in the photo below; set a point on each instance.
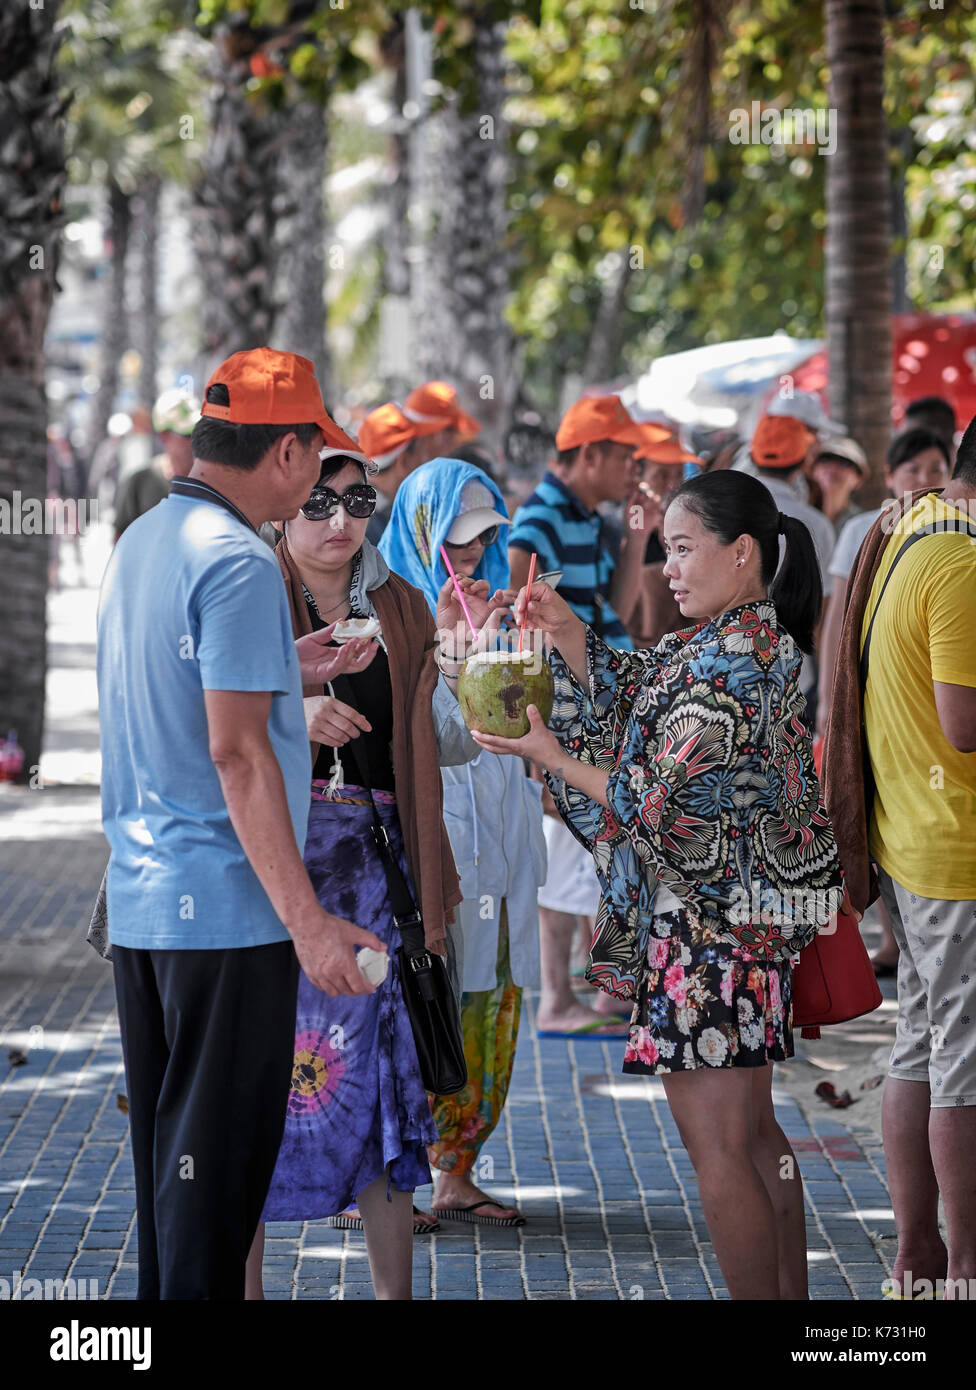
(933, 355)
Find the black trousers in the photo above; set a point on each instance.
(208, 1039)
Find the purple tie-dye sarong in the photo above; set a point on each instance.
(357, 1103)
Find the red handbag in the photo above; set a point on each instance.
(834, 980)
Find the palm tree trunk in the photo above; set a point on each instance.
(395, 355)
(473, 257)
(113, 333)
(32, 176)
(234, 215)
(300, 325)
(147, 327)
(603, 349)
(903, 149)
(858, 243)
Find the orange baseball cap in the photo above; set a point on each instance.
(780, 441)
(667, 450)
(434, 406)
(385, 433)
(267, 387)
(595, 418)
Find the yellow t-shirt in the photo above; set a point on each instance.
(923, 827)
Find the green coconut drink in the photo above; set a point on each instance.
(495, 689)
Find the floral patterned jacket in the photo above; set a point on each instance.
(712, 790)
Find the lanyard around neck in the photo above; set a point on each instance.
(203, 492)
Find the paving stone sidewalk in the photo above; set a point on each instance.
(591, 1156)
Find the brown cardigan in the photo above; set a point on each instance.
(843, 766)
(410, 637)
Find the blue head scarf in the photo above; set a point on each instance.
(426, 503)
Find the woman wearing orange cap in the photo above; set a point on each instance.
(690, 773)
(494, 819)
(358, 1120)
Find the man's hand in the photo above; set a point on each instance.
(330, 721)
(642, 512)
(320, 662)
(326, 953)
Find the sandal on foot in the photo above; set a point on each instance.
(426, 1225)
(590, 1030)
(471, 1214)
(345, 1222)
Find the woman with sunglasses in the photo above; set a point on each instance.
(358, 1120)
(493, 814)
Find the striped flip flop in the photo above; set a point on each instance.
(470, 1214)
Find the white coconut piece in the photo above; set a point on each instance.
(500, 658)
(355, 627)
(373, 965)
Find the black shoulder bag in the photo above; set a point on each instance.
(427, 993)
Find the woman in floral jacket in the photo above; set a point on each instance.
(688, 772)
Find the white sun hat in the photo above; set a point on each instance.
(475, 514)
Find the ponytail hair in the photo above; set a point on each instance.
(797, 589)
(730, 504)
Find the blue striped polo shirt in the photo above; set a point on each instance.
(568, 536)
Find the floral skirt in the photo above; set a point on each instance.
(704, 1003)
(490, 1020)
(357, 1107)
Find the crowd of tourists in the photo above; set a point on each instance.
(288, 781)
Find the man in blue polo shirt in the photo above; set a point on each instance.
(205, 793)
(595, 463)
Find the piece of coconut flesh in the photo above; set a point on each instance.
(487, 658)
(355, 627)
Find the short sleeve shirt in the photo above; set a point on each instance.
(568, 536)
(924, 821)
(192, 600)
(849, 542)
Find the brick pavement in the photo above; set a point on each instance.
(591, 1156)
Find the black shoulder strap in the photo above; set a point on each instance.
(405, 912)
(932, 529)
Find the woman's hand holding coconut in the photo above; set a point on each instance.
(544, 611)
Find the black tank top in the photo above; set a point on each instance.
(373, 697)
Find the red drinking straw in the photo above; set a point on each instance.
(457, 590)
(528, 590)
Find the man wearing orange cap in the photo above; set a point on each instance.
(389, 439)
(656, 611)
(205, 778)
(399, 439)
(595, 446)
(434, 410)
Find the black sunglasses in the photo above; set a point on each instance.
(358, 501)
(486, 538)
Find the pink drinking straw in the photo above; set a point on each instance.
(457, 590)
(528, 590)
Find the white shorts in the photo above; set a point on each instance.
(571, 884)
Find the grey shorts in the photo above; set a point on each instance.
(935, 1041)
